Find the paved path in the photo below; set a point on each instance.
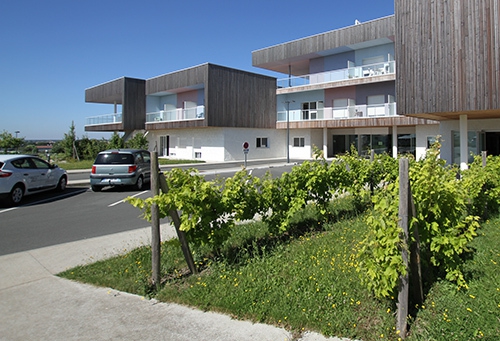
(37, 305)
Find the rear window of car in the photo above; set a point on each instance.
(114, 159)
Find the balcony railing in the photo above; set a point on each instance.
(104, 119)
(356, 111)
(195, 113)
(339, 75)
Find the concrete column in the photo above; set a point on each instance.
(325, 142)
(464, 148)
(394, 141)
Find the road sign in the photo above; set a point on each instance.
(246, 145)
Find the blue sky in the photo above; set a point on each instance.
(52, 50)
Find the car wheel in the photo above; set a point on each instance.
(61, 185)
(16, 195)
(139, 184)
(96, 188)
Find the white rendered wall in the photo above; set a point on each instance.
(422, 132)
(220, 144)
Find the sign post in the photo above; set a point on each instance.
(245, 146)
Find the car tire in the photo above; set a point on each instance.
(139, 184)
(16, 195)
(96, 188)
(61, 185)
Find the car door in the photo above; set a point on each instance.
(28, 173)
(44, 173)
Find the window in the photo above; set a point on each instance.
(197, 155)
(298, 142)
(312, 110)
(407, 144)
(430, 141)
(262, 142)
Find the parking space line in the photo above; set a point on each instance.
(123, 200)
(8, 209)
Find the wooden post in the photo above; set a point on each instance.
(416, 285)
(155, 222)
(483, 156)
(180, 234)
(402, 305)
(372, 158)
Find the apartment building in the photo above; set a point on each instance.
(204, 112)
(390, 85)
(340, 92)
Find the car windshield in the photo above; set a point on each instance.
(114, 159)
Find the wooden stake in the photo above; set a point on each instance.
(402, 305)
(180, 234)
(155, 222)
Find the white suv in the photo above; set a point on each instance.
(22, 175)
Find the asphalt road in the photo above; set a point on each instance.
(54, 218)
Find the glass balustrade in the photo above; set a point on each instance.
(104, 119)
(349, 112)
(194, 113)
(377, 69)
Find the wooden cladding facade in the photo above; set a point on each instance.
(130, 94)
(448, 57)
(134, 104)
(233, 98)
(279, 57)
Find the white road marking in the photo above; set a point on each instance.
(123, 200)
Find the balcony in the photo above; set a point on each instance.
(104, 119)
(384, 68)
(195, 113)
(350, 112)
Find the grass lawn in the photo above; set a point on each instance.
(309, 281)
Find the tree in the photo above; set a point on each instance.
(8, 141)
(116, 141)
(139, 141)
(68, 143)
(89, 148)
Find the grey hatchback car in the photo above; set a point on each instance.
(121, 167)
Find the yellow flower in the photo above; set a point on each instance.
(469, 310)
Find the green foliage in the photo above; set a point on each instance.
(139, 141)
(482, 185)
(443, 223)
(68, 143)
(89, 148)
(442, 219)
(208, 209)
(116, 141)
(7, 141)
(381, 262)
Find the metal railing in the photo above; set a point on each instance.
(355, 111)
(104, 119)
(383, 68)
(195, 113)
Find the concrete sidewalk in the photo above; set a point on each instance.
(37, 305)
